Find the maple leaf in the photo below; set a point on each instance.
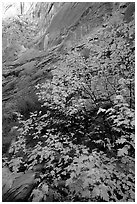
(96, 192)
(104, 192)
(122, 151)
(121, 140)
(86, 193)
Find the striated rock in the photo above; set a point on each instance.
(85, 53)
(7, 180)
(129, 12)
(18, 187)
(21, 188)
(78, 19)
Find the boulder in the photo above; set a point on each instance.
(17, 187)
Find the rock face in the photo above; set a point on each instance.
(85, 53)
(76, 19)
(18, 91)
(17, 188)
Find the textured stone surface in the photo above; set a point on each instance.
(78, 17)
(18, 187)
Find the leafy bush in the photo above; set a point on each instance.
(96, 178)
(84, 133)
(124, 124)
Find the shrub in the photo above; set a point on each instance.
(84, 133)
